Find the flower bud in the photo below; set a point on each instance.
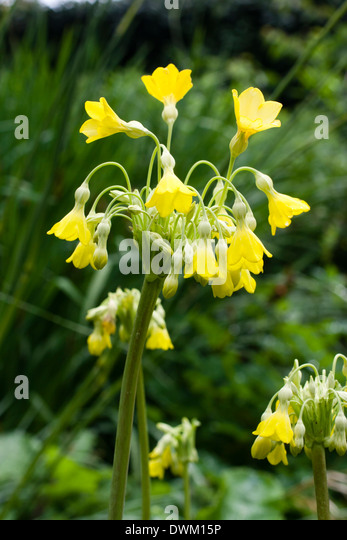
(251, 221)
(82, 194)
(204, 229)
(238, 144)
(239, 209)
(170, 286)
(263, 182)
(100, 257)
(134, 209)
(170, 113)
(120, 195)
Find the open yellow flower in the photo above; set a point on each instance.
(253, 113)
(168, 85)
(276, 427)
(159, 339)
(104, 122)
(171, 194)
(282, 208)
(73, 226)
(83, 255)
(278, 455)
(246, 250)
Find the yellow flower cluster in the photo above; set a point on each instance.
(121, 307)
(175, 449)
(207, 237)
(305, 414)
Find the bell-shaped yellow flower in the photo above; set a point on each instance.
(73, 226)
(204, 264)
(98, 341)
(253, 113)
(159, 339)
(278, 455)
(83, 255)
(104, 122)
(282, 208)
(245, 280)
(246, 251)
(159, 461)
(276, 427)
(168, 85)
(171, 194)
(261, 447)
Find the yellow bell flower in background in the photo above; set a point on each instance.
(168, 85)
(159, 461)
(276, 427)
(73, 226)
(104, 122)
(253, 113)
(171, 194)
(98, 341)
(159, 339)
(261, 447)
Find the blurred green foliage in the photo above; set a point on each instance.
(230, 355)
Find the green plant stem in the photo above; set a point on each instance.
(149, 295)
(186, 491)
(144, 446)
(320, 481)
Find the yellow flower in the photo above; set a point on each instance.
(262, 446)
(246, 250)
(204, 262)
(277, 455)
(245, 280)
(159, 461)
(73, 226)
(98, 341)
(253, 113)
(104, 122)
(225, 289)
(282, 208)
(276, 427)
(171, 194)
(83, 255)
(159, 339)
(168, 85)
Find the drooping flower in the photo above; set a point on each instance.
(282, 208)
(159, 339)
(99, 340)
(104, 122)
(159, 460)
(171, 194)
(246, 251)
(168, 85)
(253, 113)
(278, 455)
(73, 226)
(276, 427)
(83, 255)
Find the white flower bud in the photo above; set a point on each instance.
(167, 160)
(263, 182)
(239, 209)
(170, 113)
(82, 194)
(170, 286)
(204, 229)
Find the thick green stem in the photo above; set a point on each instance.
(186, 491)
(320, 481)
(149, 295)
(144, 447)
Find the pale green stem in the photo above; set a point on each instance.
(144, 447)
(320, 482)
(149, 295)
(186, 491)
